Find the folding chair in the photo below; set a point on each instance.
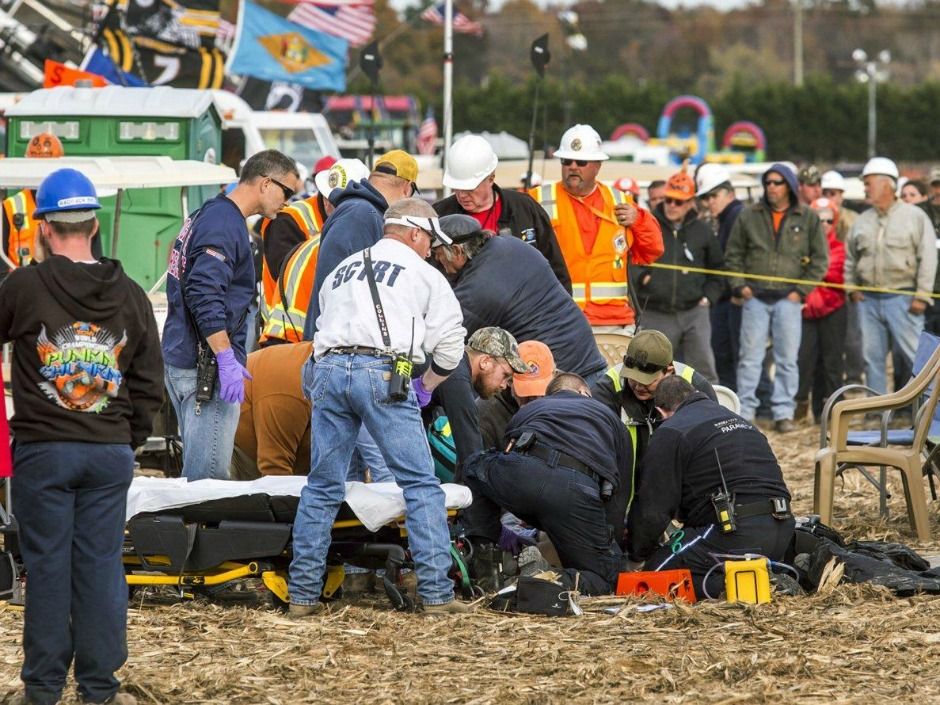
(903, 450)
(727, 398)
(613, 346)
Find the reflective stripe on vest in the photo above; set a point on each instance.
(684, 371)
(20, 238)
(602, 292)
(286, 320)
(308, 214)
(548, 199)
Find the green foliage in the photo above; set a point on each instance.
(822, 121)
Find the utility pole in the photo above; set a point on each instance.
(798, 44)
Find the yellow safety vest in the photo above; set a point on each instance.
(683, 370)
(288, 312)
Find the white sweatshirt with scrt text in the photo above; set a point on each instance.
(410, 289)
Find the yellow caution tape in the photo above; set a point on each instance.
(787, 280)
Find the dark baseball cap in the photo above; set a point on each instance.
(648, 354)
(460, 227)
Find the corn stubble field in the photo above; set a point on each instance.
(849, 644)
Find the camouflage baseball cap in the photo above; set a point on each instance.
(809, 174)
(498, 343)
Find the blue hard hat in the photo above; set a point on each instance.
(65, 190)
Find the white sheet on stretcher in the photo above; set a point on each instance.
(374, 504)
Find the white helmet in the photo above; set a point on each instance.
(581, 142)
(709, 177)
(469, 160)
(832, 180)
(339, 175)
(881, 166)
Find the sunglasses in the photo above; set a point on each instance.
(830, 192)
(774, 182)
(708, 196)
(647, 367)
(569, 162)
(674, 202)
(288, 192)
(828, 221)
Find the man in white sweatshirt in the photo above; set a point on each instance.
(362, 377)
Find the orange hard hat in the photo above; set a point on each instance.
(45, 145)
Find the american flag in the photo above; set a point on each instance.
(427, 134)
(353, 22)
(463, 24)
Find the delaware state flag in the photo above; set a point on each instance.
(272, 48)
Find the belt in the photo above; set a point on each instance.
(778, 507)
(359, 350)
(555, 458)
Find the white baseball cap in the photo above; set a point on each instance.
(339, 175)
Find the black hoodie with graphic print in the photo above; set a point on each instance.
(87, 365)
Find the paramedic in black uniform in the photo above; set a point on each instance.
(679, 475)
(566, 454)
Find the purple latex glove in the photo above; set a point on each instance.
(513, 542)
(232, 376)
(424, 396)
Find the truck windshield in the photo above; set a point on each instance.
(299, 143)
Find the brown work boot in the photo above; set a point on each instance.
(300, 611)
(802, 410)
(448, 608)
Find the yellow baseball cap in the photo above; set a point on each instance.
(398, 163)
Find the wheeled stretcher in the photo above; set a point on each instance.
(208, 533)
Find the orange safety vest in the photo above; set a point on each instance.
(599, 277)
(292, 294)
(309, 220)
(21, 240)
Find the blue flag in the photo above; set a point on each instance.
(96, 61)
(272, 48)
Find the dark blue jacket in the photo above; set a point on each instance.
(511, 285)
(726, 221)
(212, 255)
(356, 224)
(579, 426)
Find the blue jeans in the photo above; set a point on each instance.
(349, 391)
(783, 322)
(69, 499)
(367, 453)
(880, 316)
(209, 435)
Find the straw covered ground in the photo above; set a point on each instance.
(850, 644)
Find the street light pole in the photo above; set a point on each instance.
(869, 72)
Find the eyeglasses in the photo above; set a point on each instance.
(647, 367)
(674, 202)
(569, 162)
(774, 182)
(288, 192)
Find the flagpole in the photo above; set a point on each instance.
(448, 82)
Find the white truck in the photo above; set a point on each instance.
(304, 136)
